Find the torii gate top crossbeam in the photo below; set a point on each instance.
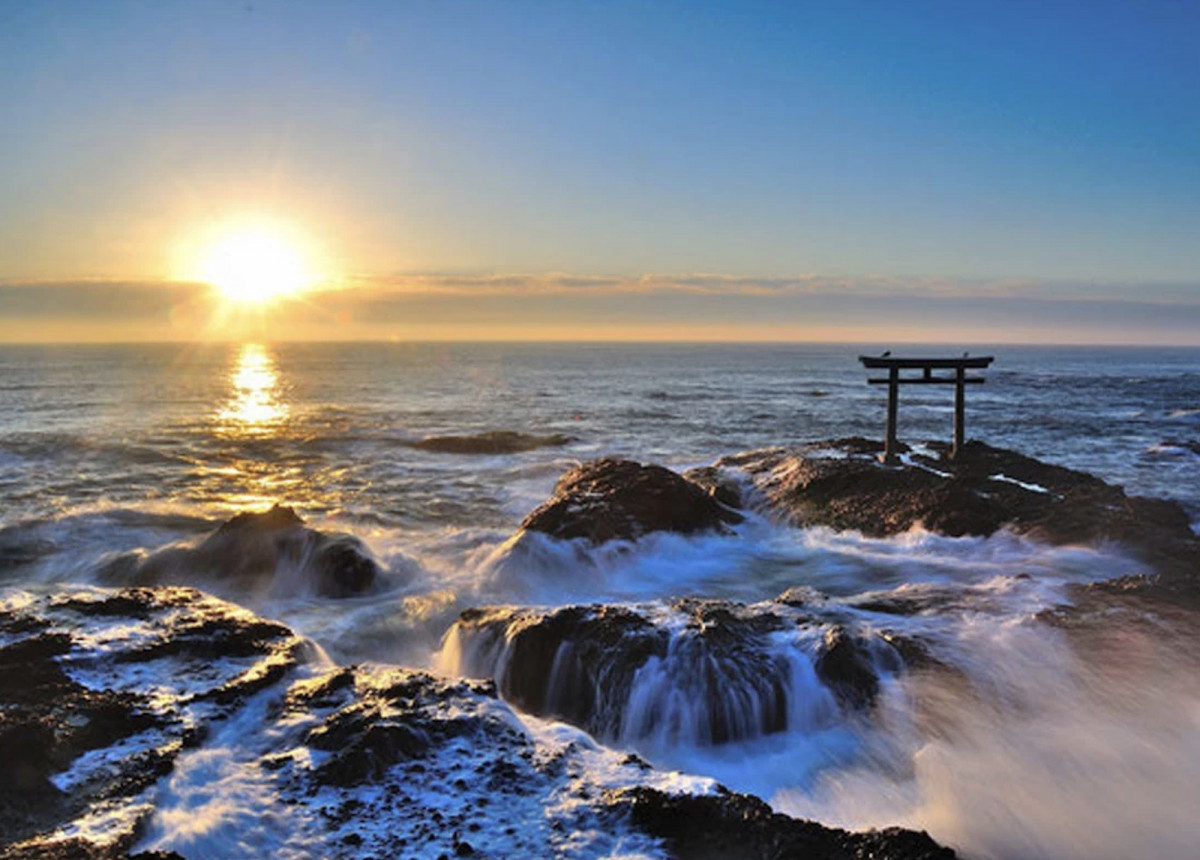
(875, 362)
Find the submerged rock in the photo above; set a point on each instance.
(848, 668)
(491, 442)
(610, 499)
(254, 551)
(695, 672)
(741, 827)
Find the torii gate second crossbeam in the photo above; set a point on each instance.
(927, 366)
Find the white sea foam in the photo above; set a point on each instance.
(220, 802)
(1033, 488)
(974, 603)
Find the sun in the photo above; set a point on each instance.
(255, 263)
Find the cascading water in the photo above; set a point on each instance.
(658, 677)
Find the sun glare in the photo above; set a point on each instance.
(255, 264)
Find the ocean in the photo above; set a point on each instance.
(118, 451)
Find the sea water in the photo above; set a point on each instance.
(1043, 744)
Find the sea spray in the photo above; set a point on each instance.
(1063, 747)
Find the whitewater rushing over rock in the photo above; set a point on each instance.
(167, 720)
(692, 673)
(272, 551)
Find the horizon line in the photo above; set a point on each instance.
(603, 342)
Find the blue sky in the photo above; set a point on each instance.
(963, 142)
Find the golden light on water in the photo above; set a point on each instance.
(256, 410)
(255, 402)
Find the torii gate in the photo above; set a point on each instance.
(894, 380)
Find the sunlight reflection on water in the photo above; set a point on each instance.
(254, 407)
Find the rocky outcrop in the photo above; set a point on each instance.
(252, 551)
(694, 672)
(105, 694)
(609, 499)
(385, 719)
(449, 767)
(491, 442)
(729, 826)
(206, 657)
(575, 664)
(842, 484)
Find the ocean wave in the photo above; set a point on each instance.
(1175, 448)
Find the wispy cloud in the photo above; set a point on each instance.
(558, 283)
(561, 305)
(97, 299)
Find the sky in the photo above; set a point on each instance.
(917, 171)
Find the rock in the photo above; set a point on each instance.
(253, 551)
(383, 719)
(981, 491)
(197, 649)
(344, 567)
(491, 442)
(377, 761)
(364, 744)
(718, 483)
(575, 664)
(696, 672)
(846, 667)
(608, 499)
(741, 827)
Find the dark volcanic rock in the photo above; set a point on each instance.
(142, 675)
(741, 827)
(977, 493)
(717, 483)
(699, 671)
(385, 719)
(491, 442)
(609, 499)
(250, 550)
(847, 667)
(364, 744)
(575, 664)
(204, 656)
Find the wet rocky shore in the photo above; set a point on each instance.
(109, 698)
(112, 699)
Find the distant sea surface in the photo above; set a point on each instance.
(327, 427)
(115, 452)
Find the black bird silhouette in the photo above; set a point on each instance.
(886, 353)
